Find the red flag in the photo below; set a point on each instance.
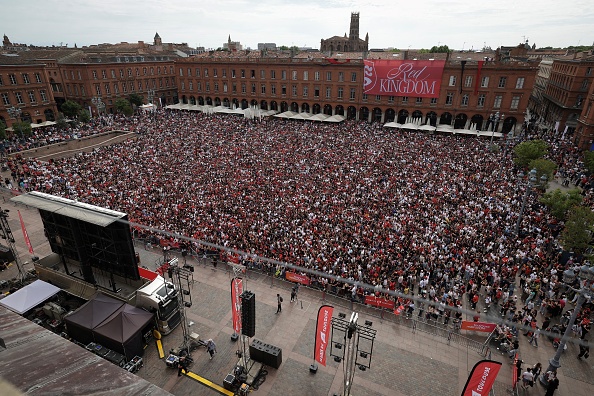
(25, 235)
(323, 333)
(481, 378)
(478, 76)
(236, 290)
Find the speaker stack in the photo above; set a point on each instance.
(248, 313)
(266, 354)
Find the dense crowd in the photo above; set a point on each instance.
(423, 214)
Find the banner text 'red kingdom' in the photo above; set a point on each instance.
(416, 78)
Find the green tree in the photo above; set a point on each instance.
(22, 128)
(559, 202)
(283, 48)
(70, 109)
(2, 130)
(589, 161)
(136, 99)
(543, 167)
(529, 151)
(577, 234)
(442, 49)
(84, 116)
(61, 122)
(122, 106)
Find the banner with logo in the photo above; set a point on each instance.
(323, 327)
(297, 278)
(379, 302)
(25, 234)
(478, 326)
(236, 290)
(481, 378)
(416, 78)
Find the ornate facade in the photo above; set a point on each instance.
(352, 43)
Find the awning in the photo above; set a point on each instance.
(29, 296)
(301, 116)
(410, 125)
(426, 127)
(286, 114)
(335, 118)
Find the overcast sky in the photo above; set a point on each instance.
(460, 24)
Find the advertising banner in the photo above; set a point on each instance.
(379, 302)
(25, 234)
(478, 326)
(481, 378)
(236, 290)
(323, 333)
(293, 277)
(416, 78)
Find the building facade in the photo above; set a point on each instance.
(352, 43)
(306, 83)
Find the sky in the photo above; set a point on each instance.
(459, 24)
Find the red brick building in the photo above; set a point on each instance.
(311, 82)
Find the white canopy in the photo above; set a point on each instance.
(426, 127)
(335, 118)
(29, 296)
(286, 114)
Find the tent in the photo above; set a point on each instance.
(81, 323)
(123, 331)
(29, 296)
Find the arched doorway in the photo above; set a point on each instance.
(200, 100)
(264, 105)
(402, 116)
(217, 101)
(305, 108)
(328, 109)
(417, 114)
(477, 120)
(364, 114)
(377, 115)
(294, 107)
(192, 100)
(244, 104)
(460, 121)
(226, 102)
(273, 105)
(235, 103)
(254, 103)
(351, 113)
(316, 109)
(431, 118)
(339, 110)
(284, 107)
(26, 117)
(209, 100)
(446, 118)
(184, 99)
(390, 115)
(49, 115)
(508, 124)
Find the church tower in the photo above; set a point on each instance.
(354, 31)
(157, 40)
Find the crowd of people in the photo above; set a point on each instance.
(425, 215)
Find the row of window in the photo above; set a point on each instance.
(272, 74)
(70, 74)
(465, 100)
(19, 97)
(12, 78)
(125, 87)
(485, 82)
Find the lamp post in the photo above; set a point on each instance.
(98, 103)
(15, 112)
(531, 183)
(586, 275)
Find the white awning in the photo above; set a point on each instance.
(335, 118)
(29, 296)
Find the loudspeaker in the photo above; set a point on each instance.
(266, 354)
(228, 382)
(248, 313)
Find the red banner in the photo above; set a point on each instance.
(293, 277)
(481, 378)
(25, 235)
(379, 302)
(478, 326)
(416, 78)
(478, 76)
(323, 333)
(236, 290)
(147, 274)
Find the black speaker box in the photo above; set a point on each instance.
(266, 354)
(248, 313)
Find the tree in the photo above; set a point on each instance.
(442, 49)
(84, 116)
(577, 235)
(122, 106)
(136, 99)
(543, 167)
(529, 151)
(2, 130)
(22, 128)
(283, 48)
(70, 109)
(559, 202)
(589, 161)
(61, 121)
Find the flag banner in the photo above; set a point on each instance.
(323, 333)
(462, 74)
(25, 235)
(478, 76)
(379, 302)
(481, 378)
(478, 326)
(236, 290)
(418, 78)
(293, 277)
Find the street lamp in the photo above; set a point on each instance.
(15, 112)
(98, 103)
(531, 183)
(586, 275)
